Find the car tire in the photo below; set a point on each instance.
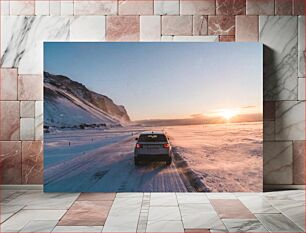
(136, 162)
(169, 161)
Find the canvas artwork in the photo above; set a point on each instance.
(153, 117)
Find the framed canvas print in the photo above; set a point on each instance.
(153, 117)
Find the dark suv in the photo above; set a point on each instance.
(152, 146)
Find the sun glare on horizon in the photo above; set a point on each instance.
(228, 114)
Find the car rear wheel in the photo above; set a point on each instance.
(169, 161)
(136, 162)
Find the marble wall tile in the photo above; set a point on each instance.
(55, 8)
(278, 162)
(290, 120)
(177, 25)
(246, 28)
(227, 38)
(221, 25)
(22, 40)
(8, 84)
(200, 25)
(30, 87)
(135, 7)
(39, 120)
(301, 46)
(298, 162)
(107, 7)
(66, 7)
(190, 38)
(27, 109)
(9, 120)
(298, 7)
(122, 28)
(5, 7)
(27, 131)
(269, 131)
(10, 157)
(42, 7)
(87, 28)
(196, 7)
(231, 7)
(150, 28)
(301, 89)
(32, 162)
(283, 7)
(269, 110)
(166, 7)
(279, 35)
(22, 7)
(260, 7)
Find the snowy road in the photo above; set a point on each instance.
(110, 168)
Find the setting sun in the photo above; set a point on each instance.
(228, 113)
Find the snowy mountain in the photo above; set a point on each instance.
(70, 104)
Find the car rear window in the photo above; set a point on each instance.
(152, 138)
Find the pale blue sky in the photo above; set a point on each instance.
(164, 80)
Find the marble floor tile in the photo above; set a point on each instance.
(97, 197)
(39, 200)
(278, 223)
(294, 210)
(163, 199)
(75, 229)
(164, 213)
(257, 204)
(199, 216)
(191, 198)
(221, 196)
(165, 226)
(129, 195)
(237, 225)
(231, 209)
(6, 193)
(8, 210)
(197, 230)
(209, 220)
(23, 217)
(295, 195)
(8, 197)
(90, 213)
(122, 219)
(39, 226)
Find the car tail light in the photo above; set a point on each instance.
(138, 145)
(167, 145)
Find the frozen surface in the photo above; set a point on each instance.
(227, 156)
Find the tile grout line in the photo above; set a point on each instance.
(143, 216)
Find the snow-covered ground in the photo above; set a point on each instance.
(227, 156)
